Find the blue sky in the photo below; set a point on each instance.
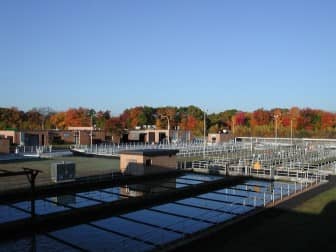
(218, 55)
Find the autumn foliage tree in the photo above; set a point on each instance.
(305, 122)
(58, 120)
(77, 117)
(11, 118)
(188, 123)
(33, 120)
(260, 117)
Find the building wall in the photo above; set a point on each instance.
(160, 164)
(45, 137)
(80, 128)
(4, 146)
(219, 138)
(66, 136)
(85, 137)
(163, 161)
(42, 135)
(136, 164)
(154, 135)
(126, 159)
(72, 137)
(16, 137)
(10, 134)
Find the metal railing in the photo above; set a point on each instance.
(185, 149)
(294, 162)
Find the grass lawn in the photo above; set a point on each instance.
(317, 204)
(309, 227)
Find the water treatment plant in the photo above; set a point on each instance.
(160, 198)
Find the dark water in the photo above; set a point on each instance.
(150, 228)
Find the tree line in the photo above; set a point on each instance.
(296, 122)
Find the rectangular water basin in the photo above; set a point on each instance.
(38, 243)
(201, 177)
(188, 181)
(216, 205)
(9, 214)
(175, 223)
(194, 212)
(73, 201)
(91, 238)
(233, 199)
(141, 231)
(119, 190)
(42, 207)
(101, 196)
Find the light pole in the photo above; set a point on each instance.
(91, 114)
(91, 132)
(276, 126)
(291, 132)
(204, 133)
(167, 117)
(233, 126)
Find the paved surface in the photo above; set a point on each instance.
(85, 166)
(14, 157)
(33, 155)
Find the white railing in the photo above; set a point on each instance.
(289, 163)
(185, 149)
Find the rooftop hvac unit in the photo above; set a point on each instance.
(63, 172)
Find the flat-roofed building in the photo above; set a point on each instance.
(151, 161)
(26, 137)
(12, 135)
(217, 138)
(4, 146)
(74, 135)
(157, 136)
(82, 135)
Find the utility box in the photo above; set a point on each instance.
(63, 171)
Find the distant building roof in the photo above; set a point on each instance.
(80, 128)
(150, 152)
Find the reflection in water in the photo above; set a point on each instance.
(66, 199)
(137, 190)
(256, 188)
(131, 191)
(39, 243)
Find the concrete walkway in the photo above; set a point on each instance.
(15, 157)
